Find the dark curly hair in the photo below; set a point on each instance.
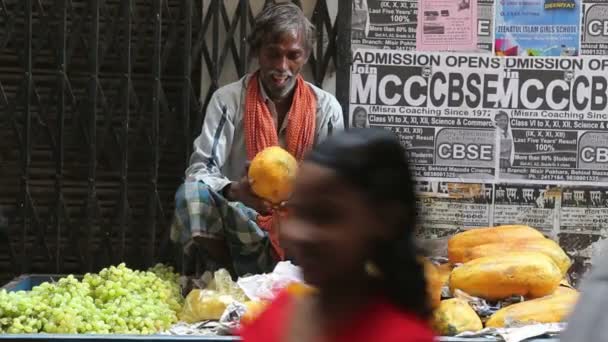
(374, 162)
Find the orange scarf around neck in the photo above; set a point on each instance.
(261, 132)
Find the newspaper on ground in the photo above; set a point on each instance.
(519, 333)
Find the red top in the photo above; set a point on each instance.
(378, 321)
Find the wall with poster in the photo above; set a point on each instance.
(502, 108)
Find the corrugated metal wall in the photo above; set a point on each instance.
(100, 101)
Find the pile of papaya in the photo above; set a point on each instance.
(495, 264)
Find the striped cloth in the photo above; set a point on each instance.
(202, 212)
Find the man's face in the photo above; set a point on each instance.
(281, 59)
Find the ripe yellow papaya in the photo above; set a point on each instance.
(545, 246)
(550, 309)
(455, 316)
(254, 309)
(528, 274)
(272, 173)
(459, 244)
(564, 290)
(444, 273)
(300, 289)
(433, 282)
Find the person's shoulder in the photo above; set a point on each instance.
(227, 99)
(231, 90)
(325, 99)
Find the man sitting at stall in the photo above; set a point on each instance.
(215, 207)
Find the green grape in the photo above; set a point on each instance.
(116, 300)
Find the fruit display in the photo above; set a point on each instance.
(444, 273)
(495, 284)
(434, 282)
(546, 246)
(549, 309)
(272, 173)
(460, 244)
(528, 274)
(117, 300)
(454, 316)
(501, 277)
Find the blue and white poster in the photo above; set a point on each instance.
(538, 27)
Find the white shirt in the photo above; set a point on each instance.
(220, 154)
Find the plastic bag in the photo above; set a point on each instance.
(264, 287)
(233, 313)
(222, 283)
(206, 328)
(202, 305)
(446, 293)
(517, 334)
(210, 303)
(439, 260)
(484, 308)
(480, 306)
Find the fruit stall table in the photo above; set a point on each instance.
(112, 338)
(132, 338)
(27, 282)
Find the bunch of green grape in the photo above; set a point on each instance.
(117, 300)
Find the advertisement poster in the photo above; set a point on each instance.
(384, 24)
(446, 207)
(594, 39)
(494, 140)
(448, 136)
(537, 27)
(556, 130)
(447, 25)
(583, 224)
(528, 204)
(485, 25)
(482, 118)
(584, 210)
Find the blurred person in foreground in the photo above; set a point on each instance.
(215, 208)
(350, 227)
(589, 321)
